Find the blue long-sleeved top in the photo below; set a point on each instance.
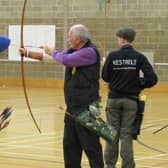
(4, 43)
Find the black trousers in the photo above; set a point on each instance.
(78, 139)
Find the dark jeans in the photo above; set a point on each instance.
(78, 139)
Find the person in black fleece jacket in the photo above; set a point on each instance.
(121, 71)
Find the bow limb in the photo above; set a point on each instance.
(22, 66)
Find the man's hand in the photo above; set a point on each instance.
(23, 52)
(48, 50)
(31, 54)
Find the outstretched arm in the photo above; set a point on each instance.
(81, 57)
(41, 56)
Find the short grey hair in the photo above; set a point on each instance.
(80, 31)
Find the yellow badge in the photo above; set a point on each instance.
(73, 70)
(143, 97)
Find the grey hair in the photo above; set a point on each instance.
(80, 31)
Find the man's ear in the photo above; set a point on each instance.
(122, 40)
(78, 40)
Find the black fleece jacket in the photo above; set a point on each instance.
(122, 71)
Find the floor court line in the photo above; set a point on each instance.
(149, 121)
(20, 136)
(39, 160)
(9, 147)
(35, 139)
(56, 159)
(151, 157)
(28, 155)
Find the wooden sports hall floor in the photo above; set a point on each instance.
(21, 146)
